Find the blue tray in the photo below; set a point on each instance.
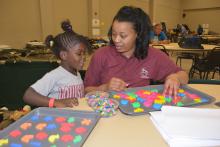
(48, 127)
(142, 100)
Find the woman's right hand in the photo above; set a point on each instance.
(68, 102)
(116, 84)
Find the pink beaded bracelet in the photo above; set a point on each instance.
(51, 102)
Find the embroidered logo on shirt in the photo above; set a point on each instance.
(144, 74)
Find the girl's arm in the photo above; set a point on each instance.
(33, 98)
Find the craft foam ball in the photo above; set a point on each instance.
(27, 108)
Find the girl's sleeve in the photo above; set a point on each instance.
(44, 85)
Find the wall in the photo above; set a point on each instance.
(53, 12)
(20, 22)
(202, 12)
(75, 10)
(109, 8)
(195, 4)
(168, 11)
(25, 20)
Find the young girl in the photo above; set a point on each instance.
(62, 86)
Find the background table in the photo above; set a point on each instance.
(176, 47)
(129, 131)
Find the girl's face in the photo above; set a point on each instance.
(124, 37)
(74, 58)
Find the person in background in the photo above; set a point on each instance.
(62, 86)
(128, 61)
(187, 30)
(157, 36)
(164, 28)
(199, 29)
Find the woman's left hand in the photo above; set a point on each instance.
(171, 85)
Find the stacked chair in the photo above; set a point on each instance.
(162, 48)
(204, 66)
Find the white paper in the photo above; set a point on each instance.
(188, 126)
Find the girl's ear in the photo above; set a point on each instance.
(63, 55)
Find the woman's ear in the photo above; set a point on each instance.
(63, 55)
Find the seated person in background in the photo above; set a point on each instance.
(164, 28)
(129, 61)
(187, 30)
(199, 30)
(62, 86)
(157, 36)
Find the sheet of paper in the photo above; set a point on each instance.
(193, 126)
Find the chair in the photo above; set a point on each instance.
(211, 63)
(189, 42)
(161, 47)
(181, 56)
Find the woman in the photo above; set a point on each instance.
(129, 61)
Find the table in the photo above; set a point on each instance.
(175, 47)
(211, 37)
(130, 131)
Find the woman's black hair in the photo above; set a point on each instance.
(65, 41)
(142, 25)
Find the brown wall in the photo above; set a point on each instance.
(25, 20)
(168, 11)
(202, 12)
(108, 9)
(19, 22)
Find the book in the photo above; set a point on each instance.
(188, 127)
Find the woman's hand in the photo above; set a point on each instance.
(69, 102)
(173, 82)
(116, 84)
(171, 86)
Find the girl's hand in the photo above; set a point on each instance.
(116, 84)
(171, 85)
(69, 102)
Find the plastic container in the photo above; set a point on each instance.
(100, 102)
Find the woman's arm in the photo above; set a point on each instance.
(102, 87)
(115, 84)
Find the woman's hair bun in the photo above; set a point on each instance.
(49, 41)
(66, 26)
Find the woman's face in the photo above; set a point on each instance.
(124, 37)
(75, 57)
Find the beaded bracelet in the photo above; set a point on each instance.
(51, 102)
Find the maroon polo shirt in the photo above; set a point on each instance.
(107, 63)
